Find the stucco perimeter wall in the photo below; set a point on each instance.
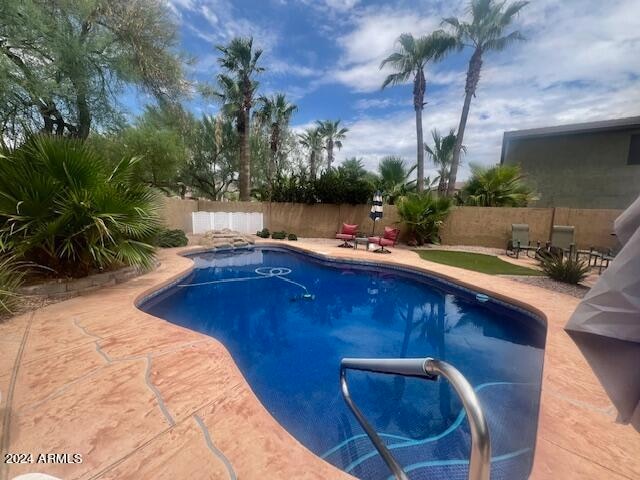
(489, 227)
(593, 227)
(176, 213)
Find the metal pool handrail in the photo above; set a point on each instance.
(429, 369)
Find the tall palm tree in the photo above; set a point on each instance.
(275, 113)
(485, 32)
(394, 178)
(410, 61)
(333, 136)
(313, 140)
(442, 155)
(241, 61)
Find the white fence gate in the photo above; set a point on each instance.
(237, 221)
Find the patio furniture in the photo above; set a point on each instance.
(347, 234)
(520, 240)
(388, 239)
(562, 242)
(361, 241)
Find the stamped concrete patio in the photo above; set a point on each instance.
(141, 398)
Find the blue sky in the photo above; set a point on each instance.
(580, 63)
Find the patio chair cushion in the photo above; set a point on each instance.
(348, 229)
(520, 233)
(391, 234)
(562, 236)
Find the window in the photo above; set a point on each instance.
(634, 150)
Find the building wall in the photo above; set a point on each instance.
(587, 170)
(484, 226)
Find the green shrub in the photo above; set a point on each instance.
(498, 186)
(279, 235)
(567, 270)
(171, 238)
(264, 233)
(293, 237)
(424, 214)
(61, 207)
(11, 276)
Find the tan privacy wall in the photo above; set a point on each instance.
(489, 227)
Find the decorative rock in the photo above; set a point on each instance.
(225, 238)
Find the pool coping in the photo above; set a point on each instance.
(577, 433)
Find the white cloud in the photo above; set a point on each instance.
(579, 63)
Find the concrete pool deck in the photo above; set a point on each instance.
(141, 398)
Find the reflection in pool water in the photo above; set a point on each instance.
(288, 319)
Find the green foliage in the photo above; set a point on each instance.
(171, 238)
(394, 178)
(442, 155)
(264, 233)
(11, 277)
(565, 269)
(292, 237)
(64, 64)
(62, 207)
(292, 188)
(423, 213)
(498, 186)
(333, 135)
(340, 186)
(279, 235)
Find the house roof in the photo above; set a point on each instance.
(615, 124)
(625, 123)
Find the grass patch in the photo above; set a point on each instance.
(477, 262)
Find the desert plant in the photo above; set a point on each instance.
(11, 276)
(292, 236)
(423, 213)
(61, 207)
(264, 233)
(167, 238)
(567, 270)
(279, 235)
(497, 186)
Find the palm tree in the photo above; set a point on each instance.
(498, 186)
(275, 112)
(313, 140)
(442, 156)
(484, 33)
(333, 136)
(411, 60)
(394, 178)
(241, 61)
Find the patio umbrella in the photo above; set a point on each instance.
(606, 324)
(376, 210)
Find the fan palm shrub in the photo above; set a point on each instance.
(63, 208)
(498, 186)
(11, 276)
(395, 178)
(423, 213)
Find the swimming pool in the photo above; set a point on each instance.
(288, 318)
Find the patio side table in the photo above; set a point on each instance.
(361, 241)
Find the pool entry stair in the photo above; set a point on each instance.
(428, 369)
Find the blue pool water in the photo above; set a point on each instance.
(288, 318)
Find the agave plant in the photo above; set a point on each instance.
(424, 213)
(499, 186)
(61, 207)
(567, 270)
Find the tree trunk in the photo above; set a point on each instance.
(473, 76)
(84, 116)
(418, 105)
(244, 180)
(329, 153)
(312, 165)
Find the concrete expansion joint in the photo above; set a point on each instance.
(156, 392)
(211, 446)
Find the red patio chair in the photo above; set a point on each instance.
(389, 239)
(347, 234)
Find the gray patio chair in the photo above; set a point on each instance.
(520, 240)
(562, 240)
